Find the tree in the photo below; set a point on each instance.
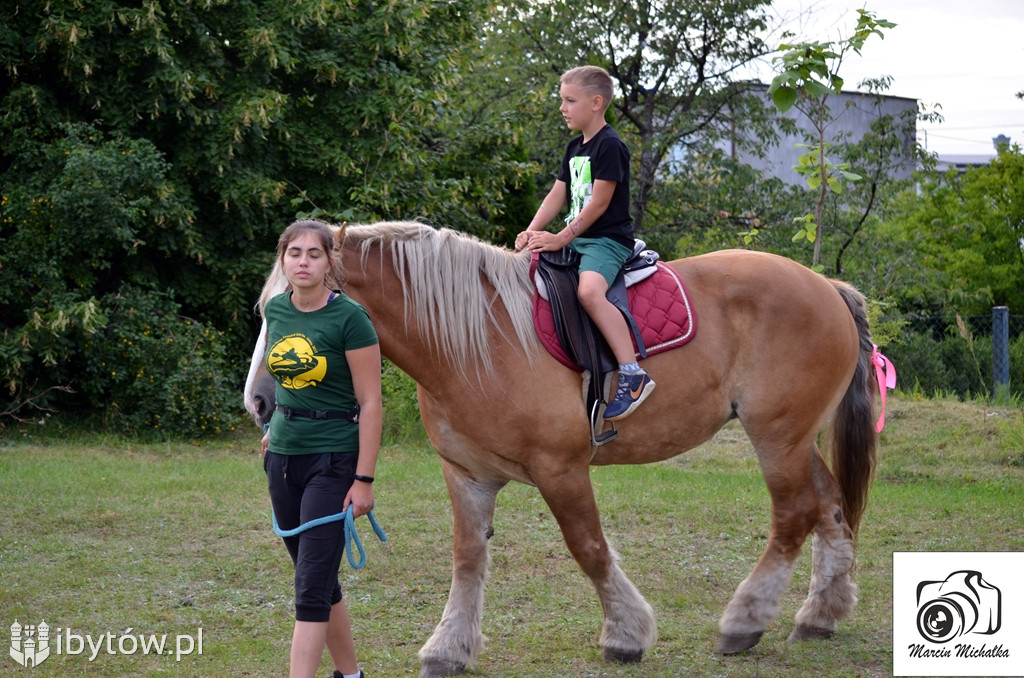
(968, 234)
(167, 143)
(714, 202)
(882, 157)
(809, 74)
(674, 64)
(72, 229)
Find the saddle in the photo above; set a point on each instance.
(556, 275)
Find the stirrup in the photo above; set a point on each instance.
(598, 438)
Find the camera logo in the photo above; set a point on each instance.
(962, 603)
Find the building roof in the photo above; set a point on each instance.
(962, 161)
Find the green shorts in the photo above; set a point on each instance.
(601, 255)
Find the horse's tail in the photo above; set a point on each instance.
(852, 437)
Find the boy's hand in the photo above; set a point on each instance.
(544, 241)
(522, 240)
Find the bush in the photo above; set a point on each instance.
(963, 358)
(934, 362)
(915, 357)
(36, 355)
(401, 408)
(1017, 365)
(151, 370)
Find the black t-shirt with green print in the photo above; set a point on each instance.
(605, 157)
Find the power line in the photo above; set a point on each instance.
(958, 129)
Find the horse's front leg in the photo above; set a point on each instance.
(457, 639)
(629, 627)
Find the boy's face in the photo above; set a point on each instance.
(579, 109)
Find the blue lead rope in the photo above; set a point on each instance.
(351, 534)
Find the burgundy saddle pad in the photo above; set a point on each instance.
(660, 305)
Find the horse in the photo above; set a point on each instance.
(780, 348)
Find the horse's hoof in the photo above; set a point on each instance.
(436, 668)
(732, 644)
(804, 632)
(623, 656)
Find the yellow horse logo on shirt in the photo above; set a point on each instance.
(294, 362)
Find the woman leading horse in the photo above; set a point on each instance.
(780, 348)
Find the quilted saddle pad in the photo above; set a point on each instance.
(660, 305)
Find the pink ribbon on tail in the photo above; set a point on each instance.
(885, 375)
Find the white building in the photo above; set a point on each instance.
(851, 115)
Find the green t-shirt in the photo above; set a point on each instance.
(306, 355)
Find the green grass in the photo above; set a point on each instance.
(101, 534)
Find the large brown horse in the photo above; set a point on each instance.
(780, 348)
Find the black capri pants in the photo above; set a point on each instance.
(305, 487)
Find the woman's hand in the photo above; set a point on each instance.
(360, 497)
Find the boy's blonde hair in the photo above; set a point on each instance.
(592, 80)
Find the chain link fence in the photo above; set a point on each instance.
(965, 356)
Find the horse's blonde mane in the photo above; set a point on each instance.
(441, 271)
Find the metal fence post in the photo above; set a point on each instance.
(1000, 347)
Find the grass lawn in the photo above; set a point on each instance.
(109, 540)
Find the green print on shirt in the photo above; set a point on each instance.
(581, 186)
(293, 360)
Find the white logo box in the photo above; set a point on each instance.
(958, 613)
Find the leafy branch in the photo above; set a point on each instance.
(33, 400)
(808, 73)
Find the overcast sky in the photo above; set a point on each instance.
(967, 55)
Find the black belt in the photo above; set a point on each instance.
(348, 415)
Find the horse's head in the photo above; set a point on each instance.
(263, 397)
(259, 386)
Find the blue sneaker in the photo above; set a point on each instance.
(633, 389)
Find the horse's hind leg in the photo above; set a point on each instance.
(629, 627)
(832, 593)
(794, 514)
(458, 638)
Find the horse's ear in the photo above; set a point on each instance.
(339, 235)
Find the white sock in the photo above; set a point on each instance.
(351, 675)
(630, 368)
